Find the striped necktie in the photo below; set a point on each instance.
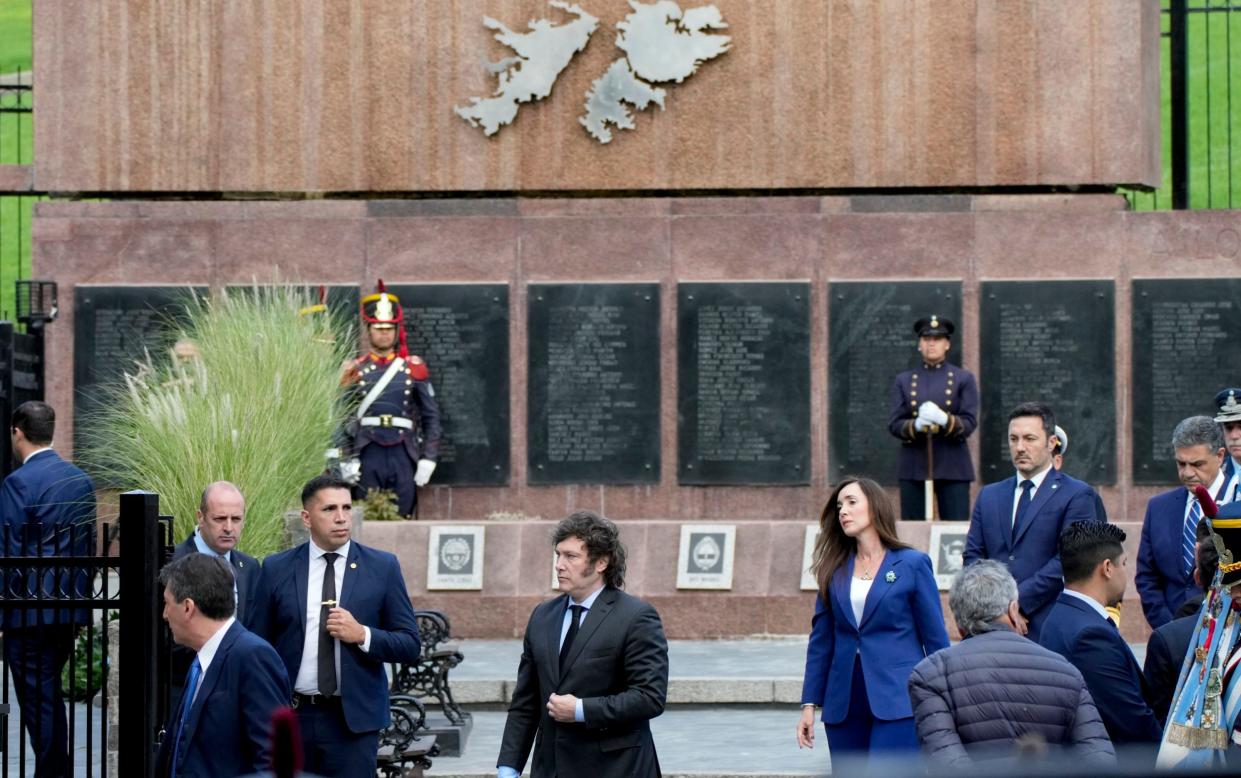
(1189, 535)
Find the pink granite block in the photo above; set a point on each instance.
(727, 247)
(447, 249)
(299, 251)
(596, 249)
(898, 246)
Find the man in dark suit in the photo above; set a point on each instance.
(1093, 558)
(47, 507)
(336, 612)
(1018, 521)
(235, 682)
(1165, 651)
(221, 515)
(1166, 553)
(593, 671)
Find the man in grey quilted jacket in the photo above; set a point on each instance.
(973, 701)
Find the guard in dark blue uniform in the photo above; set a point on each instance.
(937, 401)
(395, 424)
(1228, 401)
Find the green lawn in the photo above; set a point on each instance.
(15, 38)
(1214, 73)
(16, 147)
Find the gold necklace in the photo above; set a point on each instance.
(868, 571)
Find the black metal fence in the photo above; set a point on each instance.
(16, 207)
(1201, 123)
(65, 591)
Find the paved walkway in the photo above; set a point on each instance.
(699, 736)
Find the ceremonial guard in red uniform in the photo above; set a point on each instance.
(395, 424)
(934, 409)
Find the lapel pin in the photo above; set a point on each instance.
(353, 565)
(1055, 486)
(240, 563)
(890, 577)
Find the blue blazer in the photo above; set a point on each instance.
(1094, 646)
(47, 508)
(901, 625)
(374, 592)
(229, 727)
(1161, 579)
(1032, 549)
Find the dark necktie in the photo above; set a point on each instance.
(327, 644)
(187, 702)
(1023, 502)
(576, 610)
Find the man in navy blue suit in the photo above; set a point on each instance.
(47, 507)
(1018, 521)
(221, 727)
(221, 516)
(336, 612)
(1093, 557)
(1165, 651)
(1166, 553)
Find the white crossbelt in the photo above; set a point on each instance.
(387, 421)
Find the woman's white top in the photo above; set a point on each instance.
(858, 589)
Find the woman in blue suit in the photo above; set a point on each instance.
(877, 615)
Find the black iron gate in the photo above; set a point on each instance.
(105, 575)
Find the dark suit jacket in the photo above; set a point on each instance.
(1032, 549)
(374, 592)
(246, 569)
(229, 726)
(1161, 579)
(47, 508)
(902, 624)
(1165, 653)
(618, 667)
(1094, 646)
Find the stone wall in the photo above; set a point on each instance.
(325, 96)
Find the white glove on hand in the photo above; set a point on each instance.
(423, 475)
(921, 424)
(932, 413)
(351, 470)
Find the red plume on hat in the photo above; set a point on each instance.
(1209, 508)
(286, 743)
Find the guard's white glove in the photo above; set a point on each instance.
(921, 424)
(932, 413)
(423, 475)
(351, 470)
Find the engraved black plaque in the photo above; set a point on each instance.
(870, 342)
(1052, 342)
(461, 330)
(743, 383)
(114, 327)
(593, 404)
(1186, 347)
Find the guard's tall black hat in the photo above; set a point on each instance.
(934, 325)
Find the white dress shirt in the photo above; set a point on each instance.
(207, 653)
(1092, 602)
(1038, 479)
(307, 681)
(858, 589)
(1191, 498)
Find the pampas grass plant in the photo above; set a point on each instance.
(249, 394)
